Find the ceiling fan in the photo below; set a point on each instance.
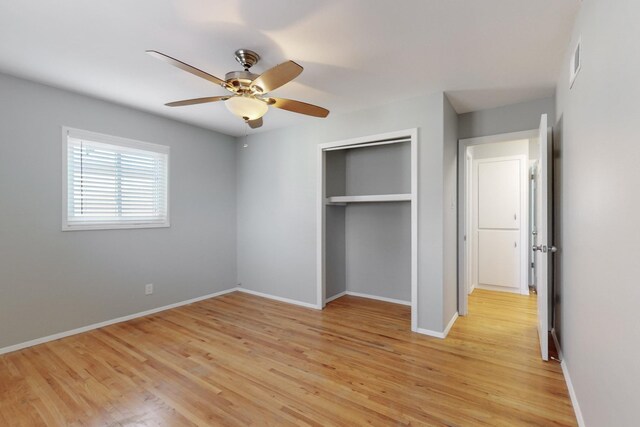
(248, 98)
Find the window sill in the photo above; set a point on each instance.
(112, 226)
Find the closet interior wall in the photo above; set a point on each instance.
(335, 215)
(368, 245)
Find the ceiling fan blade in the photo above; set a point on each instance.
(298, 107)
(186, 67)
(197, 101)
(254, 124)
(277, 76)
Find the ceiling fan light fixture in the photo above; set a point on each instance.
(247, 107)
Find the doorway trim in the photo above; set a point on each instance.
(463, 219)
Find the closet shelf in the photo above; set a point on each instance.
(369, 198)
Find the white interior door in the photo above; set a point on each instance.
(499, 258)
(543, 247)
(498, 218)
(499, 194)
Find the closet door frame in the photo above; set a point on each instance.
(356, 143)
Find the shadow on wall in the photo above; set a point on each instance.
(557, 228)
(505, 119)
(467, 100)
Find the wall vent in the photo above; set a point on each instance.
(575, 63)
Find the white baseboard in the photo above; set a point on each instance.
(450, 324)
(281, 299)
(93, 326)
(499, 289)
(567, 379)
(572, 394)
(385, 299)
(430, 333)
(557, 343)
(335, 297)
(437, 334)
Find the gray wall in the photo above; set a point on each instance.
(53, 281)
(336, 257)
(378, 235)
(597, 175)
(369, 245)
(378, 243)
(382, 169)
(510, 118)
(450, 199)
(277, 201)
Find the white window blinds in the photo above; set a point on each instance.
(114, 182)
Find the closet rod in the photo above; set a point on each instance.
(368, 144)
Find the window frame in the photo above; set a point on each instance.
(117, 141)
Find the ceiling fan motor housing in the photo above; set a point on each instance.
(247, 58)
(240, 79)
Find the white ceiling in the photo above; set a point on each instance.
(356, 53)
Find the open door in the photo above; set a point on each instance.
(542, 246)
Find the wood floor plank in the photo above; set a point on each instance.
(240, 360)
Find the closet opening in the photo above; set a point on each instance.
(367, 219)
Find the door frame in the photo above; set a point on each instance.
(468, 223)
(463, 258)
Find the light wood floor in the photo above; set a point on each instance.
(241, 360)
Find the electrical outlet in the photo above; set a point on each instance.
(148, 289)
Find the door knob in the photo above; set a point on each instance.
(553, 249)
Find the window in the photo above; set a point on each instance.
(111, 182)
